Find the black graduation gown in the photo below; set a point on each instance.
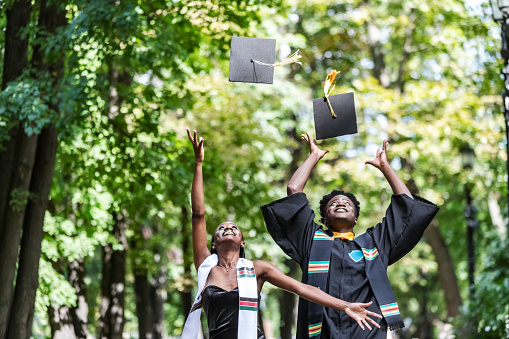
(290, 221)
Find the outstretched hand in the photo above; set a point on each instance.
(199, 153)
(380, 160)
(360, 314)
(313, 147)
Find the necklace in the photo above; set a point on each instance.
(227, 269)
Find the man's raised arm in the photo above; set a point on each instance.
(301, 175)
(381, 162)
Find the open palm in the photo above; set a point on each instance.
(360, 314)
(313, 147)
(199, 153)
(380, 160)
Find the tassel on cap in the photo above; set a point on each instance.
(327, 89)
(294, 58)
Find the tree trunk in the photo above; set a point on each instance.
(111, 323)
(407, 46)
(27, 280)
(287, 304)
(425, 324)
(13, 222)
(143, 304)
(15, 61)
(60, 321)
(185, 294)
(157, 298)
(446, 269)
(79, 313)
(149, 295)
(376, 49)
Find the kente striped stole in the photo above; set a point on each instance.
(248, 299)
(376, 271)
(318, 270)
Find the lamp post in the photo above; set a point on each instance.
(467, 160)
(501, 15)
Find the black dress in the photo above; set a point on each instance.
(222, 310)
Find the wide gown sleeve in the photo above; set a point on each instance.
(404, 223)
(290, 222)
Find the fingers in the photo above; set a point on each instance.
(365, 304)
(305, 137)
(373, 322)
(189, 135)
(360, 324)
(375, 314)
(195, 137)
(367, 325)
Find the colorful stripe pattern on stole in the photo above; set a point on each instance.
(389, 309)
(318, 267)
(196, 306)
(317, 273)
(319, 235)
(370, 254)
(245, 272)
(314, 329)
(248, 304)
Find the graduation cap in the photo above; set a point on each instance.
(334, 115)
(328, 126)
(252, 60)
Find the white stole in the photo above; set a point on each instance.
(248, 299)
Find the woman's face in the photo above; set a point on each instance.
(228, 231)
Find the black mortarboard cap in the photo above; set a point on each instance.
(326, 126)
(242, 53)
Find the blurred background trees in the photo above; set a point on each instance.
(95, 99)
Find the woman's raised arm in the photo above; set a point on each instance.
(200, 249)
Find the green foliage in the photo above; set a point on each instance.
(54, 289)
(25, 101)
(487, 315)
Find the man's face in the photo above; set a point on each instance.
(341, 208)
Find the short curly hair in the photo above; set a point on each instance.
(326, 198)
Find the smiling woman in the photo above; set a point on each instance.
(229, 285)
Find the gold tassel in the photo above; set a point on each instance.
(328, 90)
(294, 58)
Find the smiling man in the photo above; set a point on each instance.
(337, 261)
